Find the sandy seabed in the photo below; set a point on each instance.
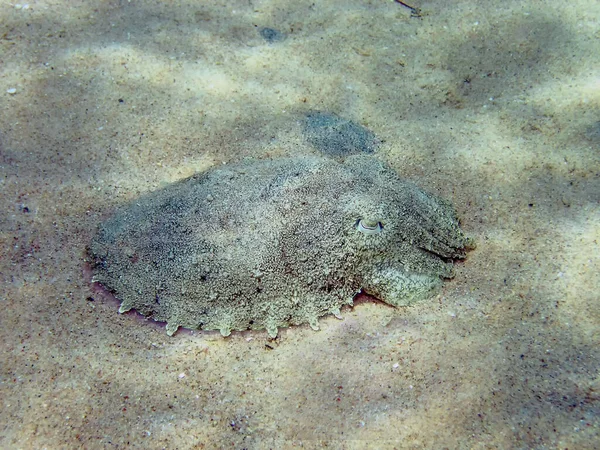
(493, 105)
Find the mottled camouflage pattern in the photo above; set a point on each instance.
(273, 243)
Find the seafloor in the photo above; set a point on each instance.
(494, 105)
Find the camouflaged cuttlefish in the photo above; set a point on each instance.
(272, 243)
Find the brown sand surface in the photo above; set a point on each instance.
(494, 105)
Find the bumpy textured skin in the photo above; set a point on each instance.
(268, 244)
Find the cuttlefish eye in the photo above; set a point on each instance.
(369, 226)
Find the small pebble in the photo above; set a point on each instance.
(11, 91)
(272, 35)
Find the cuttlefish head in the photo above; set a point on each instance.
(405, 239)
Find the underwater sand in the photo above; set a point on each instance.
(492, 105)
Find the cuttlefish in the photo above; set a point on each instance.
(272, 243)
